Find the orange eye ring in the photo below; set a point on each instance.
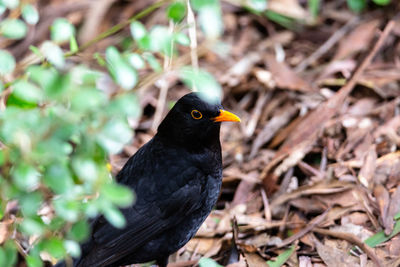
(196, 114)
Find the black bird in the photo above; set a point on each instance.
(176, 177)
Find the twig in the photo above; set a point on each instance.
(352, 239)
(192, 35)
(313, 223)
(267, 209)
(338, 35)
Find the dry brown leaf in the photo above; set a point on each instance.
(255, 260)
(356, 40)
(286, 78)
(289, 8)
(367, 171)
(334, 257)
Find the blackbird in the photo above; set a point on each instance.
(176, 177)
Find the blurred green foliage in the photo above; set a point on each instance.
(59, 125)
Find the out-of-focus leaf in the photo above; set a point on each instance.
(73, 44)
(11, 4)
(85, 168)
(153, 62)
(140, 35)
(27, 92)
(115, 134)
(382, 2)
(30, 203)
(72, 247)
(67, 209)
(79, 231)
(13, 28)
(313, 6)
(161, 40)
(62, 30)
(126, 105)
(176, 11)
(55, 247)
(53, 54)
(207, 262)
(87, 99)
(30, 14)
(280, 19)
(33, 261)
(118, 194)
(203, 82)
(210, 20)
(25, 176)
(8, 254)
(197, 4)
(282, 258)
(2, 9)
(33, 226)
(258, 5)
(58, 178)
(123, 74)
(115, 217)
(356, 5)
(136, 61)
(182, 39)
(7, 62)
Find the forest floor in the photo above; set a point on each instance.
(312, 173)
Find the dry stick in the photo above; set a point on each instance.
(192, 35)
(338, 35)
(267, 209)
(352, 239)
(313, 223)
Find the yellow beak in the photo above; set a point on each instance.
(226, 116)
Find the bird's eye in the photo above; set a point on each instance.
(196, 114)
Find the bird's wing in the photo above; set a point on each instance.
(144, 222)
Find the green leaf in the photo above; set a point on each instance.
(85, 168)
(198, 4)
(7, 62)
(125, 105)
(114, 135)
(207, 262)
(8, 254)
(87, 99)
(2, 9)
(13, 28)
(58, 177)
(153, 62)
(140, 35)
(25, 176)
(33, 226)
(380, 237)
(62, 30)
(210, 20)
(136, 61)
(73, 44)
(182, 39)
(67, 209)
(282, 258)
(27, 92)
(176, 11)
(258, 5)
(281, 20)
(203, 82)
(30, 14)
(55, 247)
(313, 6)
(115, 217)
(119, 195)
(123, 74)
(79, 231)
(161, 40)
(33, 261)
(356, 5)
(53, 54)
(72, 247)
(11, 4)
(30, 203)
(382, 2)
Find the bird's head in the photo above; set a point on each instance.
(193, 120)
